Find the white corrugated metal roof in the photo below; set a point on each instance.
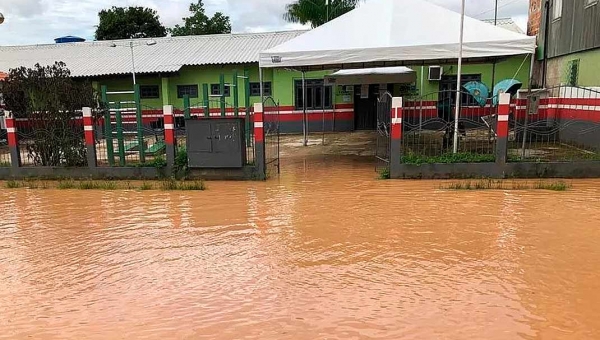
(169, 54)
(507, 23)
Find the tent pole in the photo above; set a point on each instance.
(304, 120)
(421, 91)
(260, 79)
(458, 76)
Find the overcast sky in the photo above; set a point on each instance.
(40, 21)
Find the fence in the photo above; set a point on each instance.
(556, 124)
(4, 151)
(382, 151)
(271, 131)
(428, 125)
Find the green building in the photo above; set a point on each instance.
(169, 68)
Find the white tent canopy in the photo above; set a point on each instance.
(378, 75)
(379, 32)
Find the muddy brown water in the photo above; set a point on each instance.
(325, 251)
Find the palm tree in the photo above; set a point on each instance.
(317, 12)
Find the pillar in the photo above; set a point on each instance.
(396, 137)
(13, 145)
(259, 141)
(166, 96)
(90, 143)
(169, 134)
(502, 128)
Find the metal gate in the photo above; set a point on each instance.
(382, 152)
(271, 127)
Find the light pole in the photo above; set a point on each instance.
(132, 45)
(458, 76)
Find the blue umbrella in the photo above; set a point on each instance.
(478, 91)
(506, 86)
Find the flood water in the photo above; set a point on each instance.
(325, 251)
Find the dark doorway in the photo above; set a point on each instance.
(365, 109)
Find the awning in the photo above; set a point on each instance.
(378, 75)
(395, 33)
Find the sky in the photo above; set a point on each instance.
(40, 21)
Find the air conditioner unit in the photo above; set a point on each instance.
(435, 72)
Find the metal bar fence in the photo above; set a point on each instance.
(428, 127)
(561, 123)
(271, 128)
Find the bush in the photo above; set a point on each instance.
(449, 158)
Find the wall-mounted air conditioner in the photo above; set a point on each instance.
(435, 73)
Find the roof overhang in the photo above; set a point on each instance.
(378, 75)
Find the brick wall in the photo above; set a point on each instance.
(535, 17)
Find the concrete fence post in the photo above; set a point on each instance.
(259, 141)
(502, 128)
(90, 143)
(169, 134)
(396, 137)
(13, 143)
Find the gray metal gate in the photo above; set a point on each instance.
(271, 127)
(382, 151)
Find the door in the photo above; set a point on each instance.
(365, 109)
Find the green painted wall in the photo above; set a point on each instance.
(283, 81)
(589, 68)
(504, 69)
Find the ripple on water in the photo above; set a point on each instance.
(312, 254)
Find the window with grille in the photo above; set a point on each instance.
(149, 91)
(318, 96)
(215, 90)
(255, 89)
(557, 9)
(573, 72)
(190, 90)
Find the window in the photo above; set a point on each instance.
(557, 9)
(190, 90)
(149, 91)
(590, 2)
(215, 90)
(573, 72)
(255, 89)
(318, 96)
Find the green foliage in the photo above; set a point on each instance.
(129, 22)
(449, 158)
(199, 23)
(314, 12)
(4, 164)
(12, 184)
(146, 186)
(67, 184)
(50, 99)
(95, 185)
(384, 173)
(489, 184)
(180, 168)
(172, 184)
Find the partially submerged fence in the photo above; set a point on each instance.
(429, 123)
(556, 124)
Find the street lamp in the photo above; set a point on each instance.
(132, 45)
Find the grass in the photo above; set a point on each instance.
(69, 184)
(384, 173)
(489, 184)
(172, 184)
(449, 158)
(5, 164)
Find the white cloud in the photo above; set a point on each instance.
(40, 21)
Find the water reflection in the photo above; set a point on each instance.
(323, 252)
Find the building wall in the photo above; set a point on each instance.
(535, 17)
(516, 67)
(575, 30)
(340, 118)
(589, 69)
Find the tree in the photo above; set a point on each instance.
(125, 23)
(51, 101)
(317, 12)
(199, 23)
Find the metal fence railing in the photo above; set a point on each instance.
(271, 128)
(428, 126)
(561, 123)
